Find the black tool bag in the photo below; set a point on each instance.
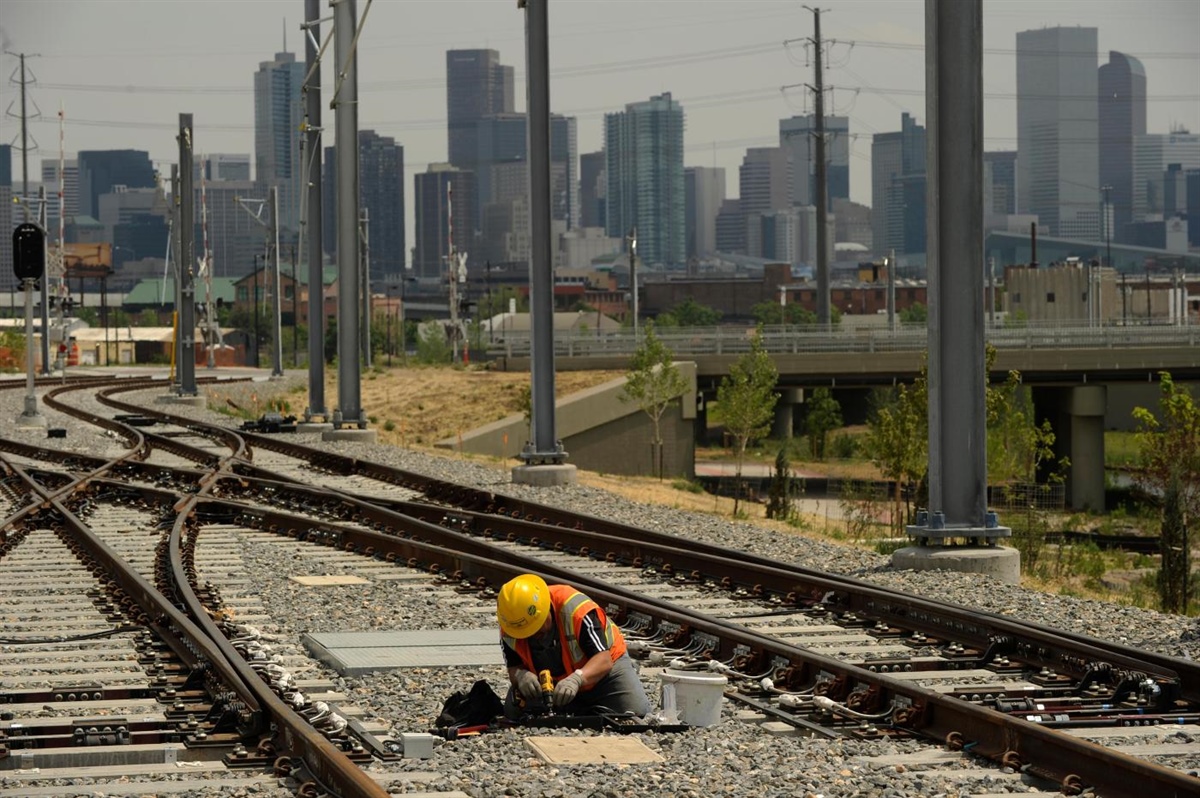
(478, 707)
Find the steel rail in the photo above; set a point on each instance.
(481, 566)
(1127, 777)
(204, 646)
(939, 618)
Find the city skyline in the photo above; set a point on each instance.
(724, 66)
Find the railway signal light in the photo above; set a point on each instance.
(29, 251)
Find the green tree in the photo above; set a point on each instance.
(1170, 442)
(779, 494)
(432, 344)
(147, 318)
(774, 313)
(88, 315)
(914, 313)
(118, 317)
(1169, 451)
(898, 440)
(689, 313)
(824, 415)
(747, 400)
(654, 384)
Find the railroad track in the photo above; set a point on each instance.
(823, 653)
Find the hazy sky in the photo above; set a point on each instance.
(125, 69)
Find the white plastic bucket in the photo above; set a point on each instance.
(694, 697)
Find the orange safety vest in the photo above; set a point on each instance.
(569, 607)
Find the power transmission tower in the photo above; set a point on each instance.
(822, 187)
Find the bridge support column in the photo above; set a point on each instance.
(785, 412)
(1085, 447)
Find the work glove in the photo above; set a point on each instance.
(566, 690)
(527, 685)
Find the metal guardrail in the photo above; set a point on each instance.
(788, 339)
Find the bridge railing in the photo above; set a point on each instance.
(734, 340)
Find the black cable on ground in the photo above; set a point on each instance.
(30, 641)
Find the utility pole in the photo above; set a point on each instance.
(633, 286)
(187, 260)
(822, 188)
(295, 313)
(313, 214)
(45, 291)
(364, 229)
(891, 290)
(452, 270)
(277, 344)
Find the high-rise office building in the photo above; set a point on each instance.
(764, 186)
(1122, 116)
(897, 160)
(1058, 151)
(381, 193)
(278, 115)
(433, 216)
(223, 166)
(731, 228)
(477, 85)
(798, 135)
(704, 191)
(999, 183)
(1153, 154)
(500, 139)
(101, 170)
(234, 237)
(70, 198)
(591, 189)
(643, 148)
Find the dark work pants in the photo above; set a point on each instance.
(617, 693)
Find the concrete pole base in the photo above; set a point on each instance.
(177, 399)
(36, 421)
(544, 476)
(351, 434)
(313, 427)
(994, 561)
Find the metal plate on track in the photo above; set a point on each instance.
(361, 653)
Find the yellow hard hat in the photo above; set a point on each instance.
(522, 606)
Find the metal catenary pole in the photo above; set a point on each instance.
(186, 361)
(345, 103)
(46, 369)
(277, 303)
(365, 255)
(822, 192)
(544, 448)
(314, 213)
(954, 107)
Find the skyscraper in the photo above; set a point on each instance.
(1152, 155)
(591, 189)
(1122, 116)
(433, 217)
(1058, 158)
(704, 191)
(897, 180)
(477, 85)
(797, 135)
(999, 183)
(764, 186)
(500, 139)
(381, 193)
(70, 190)
(278, 115)
(100, 170)
(643, 148)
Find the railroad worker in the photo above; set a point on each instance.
(556, 628)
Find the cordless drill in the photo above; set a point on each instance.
(547, 688)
